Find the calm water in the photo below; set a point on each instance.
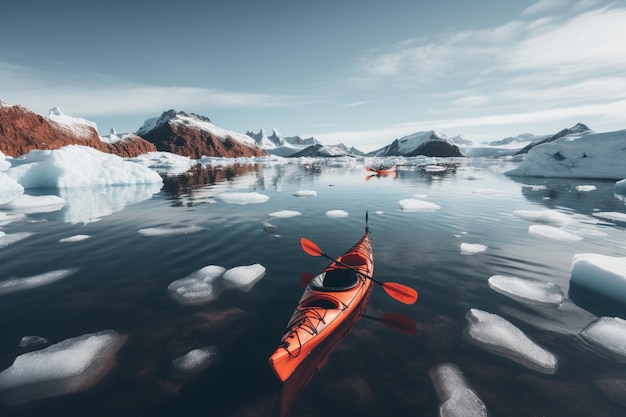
(122, 279)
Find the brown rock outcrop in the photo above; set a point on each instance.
(22, 130)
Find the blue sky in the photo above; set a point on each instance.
(358, 72)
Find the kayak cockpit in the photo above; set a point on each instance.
(340, 278)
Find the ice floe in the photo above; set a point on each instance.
(169, 231)
(244, 277)
(242, 198)
(605, 275)
(553, 233)
(336, 214)
(35, 204)
(412, 204)
(72, 365)
(585, 188)
(20, 284)
(75, 238)
(195, 361)
(7, 239)
(305, 193)
(550, 217)
(608, 336)
(472, 248)
(456, 396)
(611, 215)
(283, 214)
(498, 336)
(527, 291)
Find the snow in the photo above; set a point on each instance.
(605, 275)
(472, 248)
(75, 238)
(169, 231)
(20, 284)
(578, 155)
(550, 217)
(242, 198)
(457, 397)
(77, 166)
(411, 204)
(284, 214)
(611, 215)
(195, 360)
(78, 126)
(553, 233)
(498, 336)
(608, 336)
(68, 366)
(336, 214)
(305, 193)
(165, 162)
(244, 277)
(527, 291)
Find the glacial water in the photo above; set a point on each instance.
(118, 279)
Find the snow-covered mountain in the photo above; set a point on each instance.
(276, 144)
(319, 150)
(578, 128)
(428, 143)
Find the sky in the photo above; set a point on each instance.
(362, 73)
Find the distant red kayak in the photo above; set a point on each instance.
(382, 170)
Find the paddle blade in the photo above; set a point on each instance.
(400, 322)
(402, 293)
(310, 247)
(306, 278)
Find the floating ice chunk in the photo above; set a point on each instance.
(9, 188)
(336, 214)
(244, 277)
(243, 198)
(75, 238)
(434, 168)
(605, 275)
(527, 291)
(196, 360)
(19, 284)
(585, 188)
(611, 215)
(472, 248)
(9, 239)
(305, 193)
(36, 204)
(28, 341)
(411, 204)
(199, 287)
(283, 214)
(551, 217)
(456, 396)
(551, 232)
(169, 231)
(500, 337)
(379, 212)
(608, 336)
(69, 366)
(165, 162)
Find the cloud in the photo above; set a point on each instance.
(544, 6)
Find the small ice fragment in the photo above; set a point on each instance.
(284, 214)
(411, 204)
(553, 233)
(196, 360)
(608, 336)
(500, 337)
(551, 217)
(379, 212)
(456, 396)
(336, 214)
(243, 198)
(605, 275)
(611, 215)
(28, 341)
(305, 193)
(244, 277)
(75, 238)
(20, 284)
(584, 188)
(434, 168)
(197, 288)
(11, 238)
(527, 291)
(472, 248)
(169, 231)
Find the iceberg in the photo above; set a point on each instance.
(602, 274)
(305, 193)
(244, 277)
(456, 396)
(243, 198)
(199, 287)
(336, 214)
(527, 291)
(498, 336)
(411, 204)
(284, 214)
(472, 248)
(72, 365)
(608, 336)
(9, 188)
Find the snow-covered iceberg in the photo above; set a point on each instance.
(456, 396)
(526, 290)
(195, 361)
(607, 335)
(602, 274)
(497, 335)
(72, 365)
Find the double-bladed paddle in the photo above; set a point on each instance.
(399, 292)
